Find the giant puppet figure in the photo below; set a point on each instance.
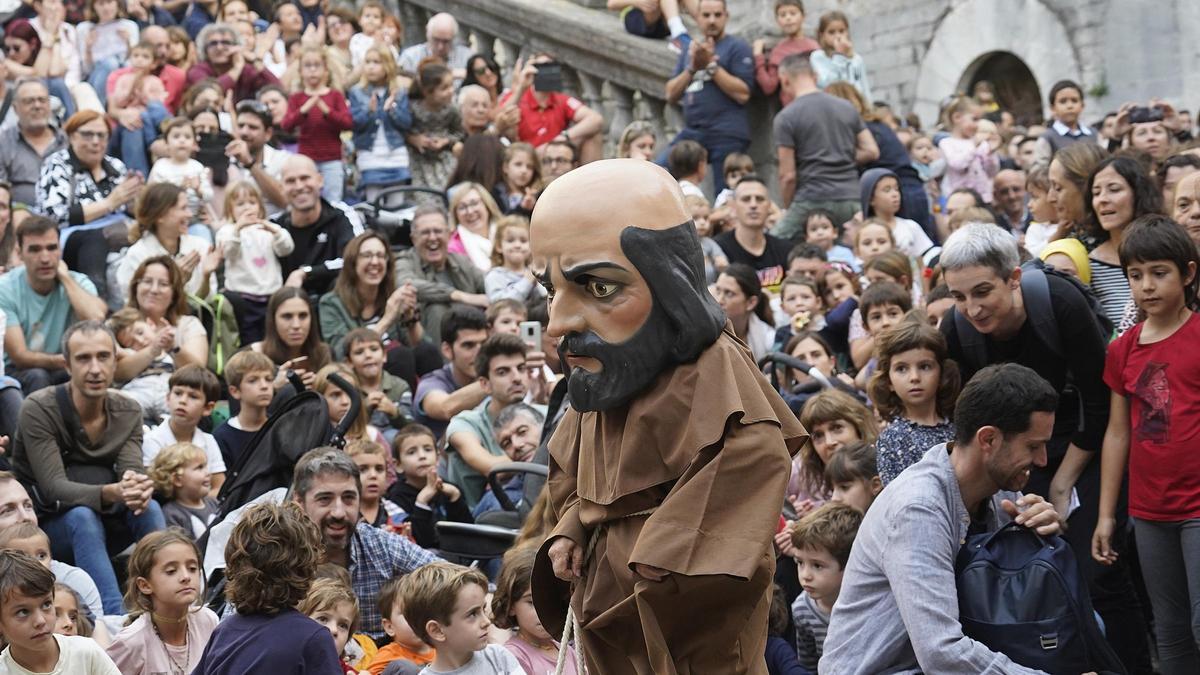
(668, 473)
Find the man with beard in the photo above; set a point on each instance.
(327, 486)
(898, 606)
(667, 475)
(472, 449)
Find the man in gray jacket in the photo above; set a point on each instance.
(442, 279)
(897, 611)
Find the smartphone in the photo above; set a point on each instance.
(548, 77)
(1143, 114)
(531, 334)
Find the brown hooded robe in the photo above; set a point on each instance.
(708, 447)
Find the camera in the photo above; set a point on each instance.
(548, 77)
(1143, 114)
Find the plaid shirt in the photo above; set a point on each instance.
(375, 557)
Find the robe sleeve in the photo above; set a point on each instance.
(720, 515)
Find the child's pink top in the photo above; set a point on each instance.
(968, 165)
(766, 67)
(535, 661)
(152, 89)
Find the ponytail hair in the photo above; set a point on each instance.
(751, 287)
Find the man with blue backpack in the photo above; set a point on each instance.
(904, 608)
(1006, 312)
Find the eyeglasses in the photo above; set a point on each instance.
(474, 203)
(152, 284)
(219, 43)
(373, 255)
(92, 135)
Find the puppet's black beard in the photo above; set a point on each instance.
(627, 368)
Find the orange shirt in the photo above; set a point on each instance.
(398, 651)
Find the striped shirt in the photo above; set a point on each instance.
(1111, 288)
(811, 626)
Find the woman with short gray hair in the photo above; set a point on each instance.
(221, 57)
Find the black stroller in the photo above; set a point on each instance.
(298, 425)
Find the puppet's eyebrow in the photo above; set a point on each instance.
(579, 270)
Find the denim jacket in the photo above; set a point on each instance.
(396, 122)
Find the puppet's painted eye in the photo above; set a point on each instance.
(601, 289)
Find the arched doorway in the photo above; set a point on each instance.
(973, 30)
(1015, 85)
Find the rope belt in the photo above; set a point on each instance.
(572, 624)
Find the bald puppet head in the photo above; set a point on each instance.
(616, 248)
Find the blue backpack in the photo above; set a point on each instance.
(1021, 594)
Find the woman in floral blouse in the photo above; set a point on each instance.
(86, 191)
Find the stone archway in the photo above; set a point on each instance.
(1027, 29)
(1016, 88)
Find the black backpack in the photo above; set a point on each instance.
(1035, 289)
(1022, 595)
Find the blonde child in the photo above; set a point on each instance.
(789, 16)
(27, 619)
(181, 477)
(387, 398)
(853, 474)
(405, 646)
(436, 127)
(370, 24)
(446, 606)
(250, 377)
(178, 168)
(317, 110)
(512, 608)
(822, 541)
(333, 605)
(872, 238)
(505, 316)
(510, 276)
(836, 59)
(971, 161)
(166, 632)
(372, 461)
(819, 229)
(802, 308)
(914, 388)
(881, 200)
(521, 180)
(714, 257)
(379, 107)
(252, 247)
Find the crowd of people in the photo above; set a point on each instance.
(177, 239)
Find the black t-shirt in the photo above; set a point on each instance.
(771, 265)
(1081, 366)
(318, 245)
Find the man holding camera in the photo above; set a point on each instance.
(547, 114)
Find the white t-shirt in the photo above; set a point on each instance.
(491, 660)
(910, 238)
(161, 436)
(77, 655)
